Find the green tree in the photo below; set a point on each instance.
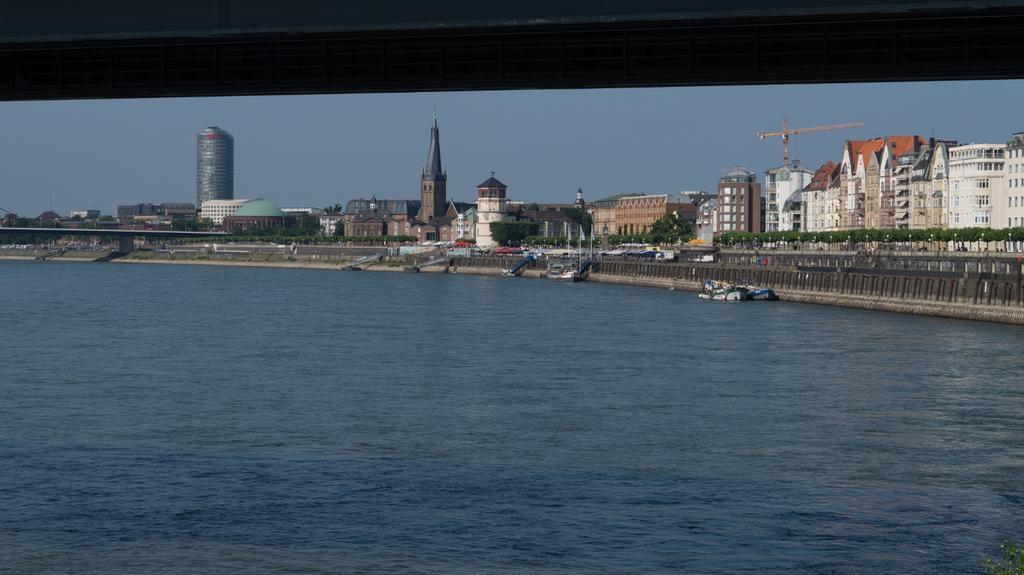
(581, 217)
(671, 229)
(307, 225)
(512, 233)
(1010, 561)
(185, 225)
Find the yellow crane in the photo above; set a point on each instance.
(787, 132)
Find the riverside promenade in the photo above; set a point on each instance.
(981, 287)
(971, 286)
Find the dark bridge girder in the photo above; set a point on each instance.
(933, 45)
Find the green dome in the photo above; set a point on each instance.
(259, 208)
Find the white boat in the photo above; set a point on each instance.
(563, 271)
(723, 292)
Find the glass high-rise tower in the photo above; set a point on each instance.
(215, 165)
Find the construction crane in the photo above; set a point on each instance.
(786, 133)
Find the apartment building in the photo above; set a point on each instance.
(976, 176)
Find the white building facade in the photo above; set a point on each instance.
(976, 177)
(929, 186)
(329, 223)
(491, 206)
(217, 210)
(783, 185)
(1009, 209)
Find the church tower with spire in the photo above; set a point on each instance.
(433, 182)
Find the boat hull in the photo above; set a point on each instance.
(762, 295)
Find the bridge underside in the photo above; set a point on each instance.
(933, 45)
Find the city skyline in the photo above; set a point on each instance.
(322, 150)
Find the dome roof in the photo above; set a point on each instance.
(259, 208)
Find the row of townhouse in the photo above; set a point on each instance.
(908, 182)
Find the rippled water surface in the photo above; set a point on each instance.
(179, 419)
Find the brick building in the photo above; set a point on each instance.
(739, 202)
(636, 214)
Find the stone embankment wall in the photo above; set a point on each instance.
(985, 296)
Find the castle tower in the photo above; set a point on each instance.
(490, 207)
(433, 182)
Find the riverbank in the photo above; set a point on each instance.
(947, 310)
(988, 299)
(74, 256)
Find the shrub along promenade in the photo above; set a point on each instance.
(959, 239)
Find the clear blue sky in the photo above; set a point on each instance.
(319, 150)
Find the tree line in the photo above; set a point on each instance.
(957, 235)
(671, 229)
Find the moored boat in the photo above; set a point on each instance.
(761, 294)
(563, 271)
(723, 292)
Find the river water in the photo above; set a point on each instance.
(180, 419)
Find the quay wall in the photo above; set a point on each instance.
(982, 296)
(963, 286)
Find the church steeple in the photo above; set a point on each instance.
(433, 168)
(433, 197)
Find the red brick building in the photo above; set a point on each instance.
(739, 202)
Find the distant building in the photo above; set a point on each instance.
(551, 223)
(302, 211)
(255, 215)
(706, 226)
(329, 223)
(464, 224)
(433, 181)
(976, 175)
(365, 224)
(603, 214)
(215, 165)
(580, 202)
(491, 204)
(636, 214)
(1009, 207)
(217, 210)
(782, 191)
(136, 212)
(175, 211)
(739, 201)
(84, 214)
(50, 217)
(820, 200)
(408, 208)
(870, 172)
(929, 186)
(792, 214)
